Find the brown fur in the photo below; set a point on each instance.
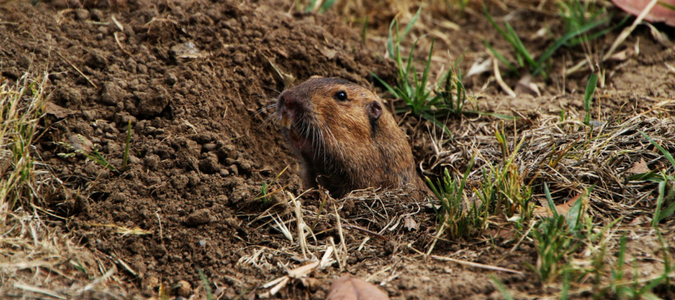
(345, 145)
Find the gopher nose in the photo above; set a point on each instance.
(288, 102)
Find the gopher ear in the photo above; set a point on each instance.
(374, 110)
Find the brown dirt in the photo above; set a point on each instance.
(196, 80)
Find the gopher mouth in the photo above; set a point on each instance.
(299, 141)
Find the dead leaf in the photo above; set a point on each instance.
(410, 224)
(328, 53)
(503, 233)
(659, 13)
(347, 288)
(57, 111)
(545, 211)
(639, 167)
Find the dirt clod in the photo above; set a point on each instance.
(183, 288)
(199, 217)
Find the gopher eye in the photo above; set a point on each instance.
(341, 96)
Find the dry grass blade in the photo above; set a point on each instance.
(21, 106)
(297, 273)
(303, 271)
(300, 225)
(500, 81)
(99, 280)
(325, 259)
(626, 32)
(38, 290)
(477, 265)
(342, 238)
(281, 283)
(286, 78)
(78, 70)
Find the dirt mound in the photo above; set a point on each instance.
(195, 80)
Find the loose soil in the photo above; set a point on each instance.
(194, 84)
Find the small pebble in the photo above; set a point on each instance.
(184, 289)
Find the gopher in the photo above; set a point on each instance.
(345, 138)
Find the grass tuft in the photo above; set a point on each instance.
(461, 219)
(421, 97)
(21, 105)
(666, 185)
(37, 260)
(582, 23)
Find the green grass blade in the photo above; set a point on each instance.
(549, 199)
(364, 31)
(500, 57)
(422, 86)
(666, 5)
(574, 214)
(520, 47)
(494, 24)
(667, 212)
(326, 5)
(466, 176)
(659, 203)
(309, 6)
(651, 176)
(665, 153)
(126, 148)
(412, 22)
(390, 39)
(576, 41)
(388, 87)
(563, 40)
(431, 118)
(501, 288)
(588, 96)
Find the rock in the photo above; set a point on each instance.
(81, 143)
(82, 14)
